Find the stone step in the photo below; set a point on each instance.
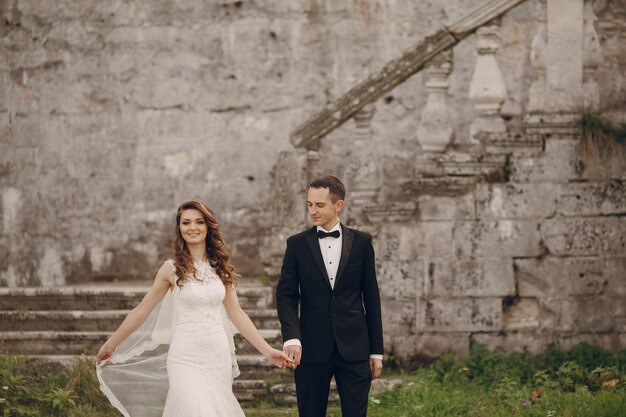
(272, 336)
(61, 320)
(110, 297)
(249, 389)
(46, 342)
(257, 367)
(253, 366)
(99, 320)
(250, 385)
(51, 342)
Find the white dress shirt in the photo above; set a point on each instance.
(331, 253)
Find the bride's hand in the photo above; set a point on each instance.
(278, 358)
(104, 353)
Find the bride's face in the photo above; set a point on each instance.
(193, 227)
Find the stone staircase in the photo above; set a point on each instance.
(63, 323)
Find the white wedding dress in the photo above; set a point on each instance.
(193, 378)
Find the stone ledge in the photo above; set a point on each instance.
(517, 144)
(461, 164)
(390, 212)
(440, 186)
(558, 125)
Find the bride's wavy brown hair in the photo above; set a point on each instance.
(217, 252)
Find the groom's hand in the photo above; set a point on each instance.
(376, 365)
(294, 352)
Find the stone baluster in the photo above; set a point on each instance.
(435, 132)
(487, 88)
(537, 91)
(364, 174)
(312, 159)
(592, 56)
(564, 56)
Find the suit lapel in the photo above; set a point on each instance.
(314, 244)
(347, 236)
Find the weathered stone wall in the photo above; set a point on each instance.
(111, 113)
(514, 264)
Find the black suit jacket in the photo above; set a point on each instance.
(347, 316)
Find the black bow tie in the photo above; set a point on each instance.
(322, 235)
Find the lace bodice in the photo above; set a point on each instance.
(199, 298)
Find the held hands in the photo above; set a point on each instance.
(294, 353)
(279, 358)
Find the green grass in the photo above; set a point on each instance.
(425, 395)
(37, 388)
(585, 381)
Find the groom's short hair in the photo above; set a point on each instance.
(336, 190)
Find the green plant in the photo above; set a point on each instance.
(61, 400)
(596, 130)
(17, 396)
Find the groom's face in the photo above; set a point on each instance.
(322, 210)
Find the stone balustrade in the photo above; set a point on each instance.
(491, 238)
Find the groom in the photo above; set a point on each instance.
(329, 273)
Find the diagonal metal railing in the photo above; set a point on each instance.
(396, 72)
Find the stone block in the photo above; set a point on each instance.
(447, 208)
(460, 315)
(578, 314)
(380, 386)
(609, 342)
(505, 238)
(594, 314)
(560, 161)
(514, 341)
(398, 316)
(524, 314)
(619, 314)
(484, 277)
(559, 277)
(407, 242)
(426, 346)
(615, 276)
(603, 236)
(589, 199)
(435, 239)
(401, 279)
(557, 315)
(515, 201)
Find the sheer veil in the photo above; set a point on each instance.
(134, 378)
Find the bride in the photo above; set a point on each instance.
(184, 309)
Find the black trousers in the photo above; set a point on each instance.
(313, 385)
